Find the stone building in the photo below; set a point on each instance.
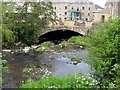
(111, 9)
(100, 15)
(73, 9)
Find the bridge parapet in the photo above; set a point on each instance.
(79, 29)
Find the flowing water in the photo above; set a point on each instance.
(57, 60)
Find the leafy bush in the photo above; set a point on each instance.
(105, 54)
(3, 68)
(64, 82)
(8, 38)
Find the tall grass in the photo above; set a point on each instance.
(84, 41)
(70, 81)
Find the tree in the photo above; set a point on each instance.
(105, 53)
(27, 24)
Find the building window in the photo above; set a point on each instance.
(83, 8)
(89, 8)
(72, 8)
(103, 18)
(65, 13)
(65, 18)
(86, 19)
(65, 7)
(55, 7)
(88, 14)
(77, 9)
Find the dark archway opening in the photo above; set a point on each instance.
(103, 18)
(57, 36)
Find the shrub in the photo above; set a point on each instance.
(8, 38)
(3, 69)
(105, 54)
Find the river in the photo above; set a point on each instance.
(57, 60)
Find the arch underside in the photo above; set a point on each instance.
(58, 35)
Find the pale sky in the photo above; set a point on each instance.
(99, 2)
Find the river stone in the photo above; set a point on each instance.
(5, 50)
(26, 49)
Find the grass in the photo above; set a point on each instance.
(70, 81)
(44, 46)
(83, 41)
(40, 50)
(79, 40)
(64, 44)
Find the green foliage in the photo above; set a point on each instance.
(79, 40)
(3, 68)
(70, 81)
(7, 7)
(40, 50)
(75, 58)
(8, 38)
(44, 46)
(34, 72)
(105, 53)
(64, 44)
(27, 26)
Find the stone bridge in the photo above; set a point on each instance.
(79, 29)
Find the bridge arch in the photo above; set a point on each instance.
(58, 35)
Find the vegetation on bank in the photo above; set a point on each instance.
(3, 69)
(83, 41)
(70, 81)
(34, 72)
(44, 46)
(64, 44)
(105, 53)
(8, 37)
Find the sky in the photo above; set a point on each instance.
(99, 2)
